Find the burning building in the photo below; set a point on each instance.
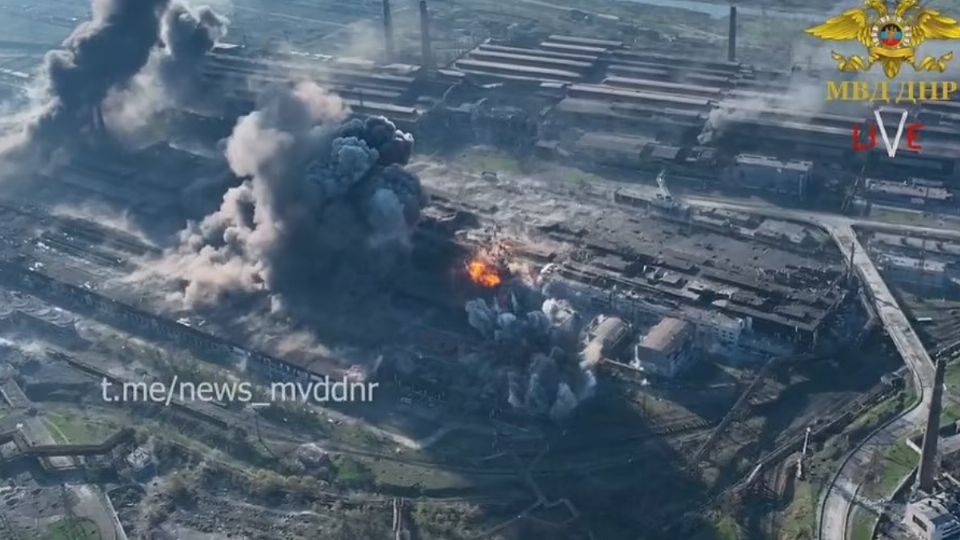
(484, 273)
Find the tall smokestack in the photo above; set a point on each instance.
(388, 30)
(928, 453)
(425, 46)
(732, 36)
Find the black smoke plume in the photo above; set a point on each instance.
(100, 54)
(172, 76)
(322, 202)
(101, 58)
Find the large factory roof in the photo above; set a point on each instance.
(627, 111)
(757, 104)
(538, 52)
(626, 94)
(663, 86)
(687, 71)
(582, 49)
(800, 320)
(925, 265)
(629, 145)
(667, 336)
(951, 106)
(754, 160)
(918, 244)
(316, 68)
(495, 69)
(614, 141)
(608, 334)
(656, 71)
(633, 55)
(794, 232)
(591, 42)
(530, 58)
(765, 130)
(908, 189)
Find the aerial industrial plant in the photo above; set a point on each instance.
(457, 269)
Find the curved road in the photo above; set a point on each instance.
(840, 495)
(840, 498)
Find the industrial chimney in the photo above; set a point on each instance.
(928, 452)
(387, 31)
(732, 36)
(426, 48)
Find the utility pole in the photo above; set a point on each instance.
(254, 407)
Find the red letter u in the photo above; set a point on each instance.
(858, 134)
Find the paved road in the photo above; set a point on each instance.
(840, 497)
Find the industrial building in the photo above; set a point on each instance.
(767, 174)
(912, 193)
(934, 518)
(589, 286)
(930, 265)
(668, 349)
(604, 103)
(605, 339)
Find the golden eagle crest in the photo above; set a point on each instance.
(890, 38)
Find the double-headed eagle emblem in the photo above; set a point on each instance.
(890, 38)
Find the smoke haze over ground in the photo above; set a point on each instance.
(171, 76)
(101, 58)
(320, 199)
(536, 362)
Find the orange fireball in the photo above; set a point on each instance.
(484, 274)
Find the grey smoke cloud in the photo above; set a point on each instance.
(535, 354)
(100, 60)
(803, 96)
(102, 53)
(171, 77)
(322, 201)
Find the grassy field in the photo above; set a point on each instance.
(483, 159)
(950, 414)
(80, 529)
(951, 378)
(861, 525)
(881, 411)
(800, 518)
(74, 429)
(894, 466)
(727, 529)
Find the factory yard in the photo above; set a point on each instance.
(458, 270)
(665, 418)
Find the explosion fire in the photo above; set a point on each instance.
(484, 273)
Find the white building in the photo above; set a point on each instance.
(603, 339)
(933, 518)
(668, 348)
